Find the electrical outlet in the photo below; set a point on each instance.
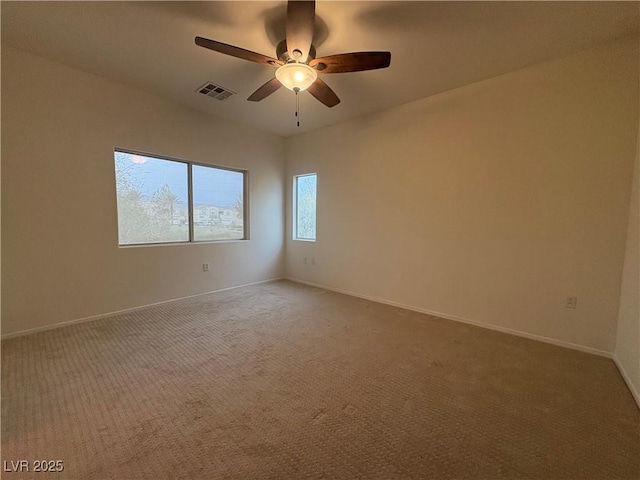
(205, 267)
(313, 260)
(305, 260)
(572, 302)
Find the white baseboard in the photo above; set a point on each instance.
(630, 385)
(532, 336)
(126, 310)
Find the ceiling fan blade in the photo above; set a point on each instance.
(265, 90)
(300, 23)
(351, 62)
(236, 52)
(323, 93)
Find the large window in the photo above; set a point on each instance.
(304, 217)
(171, 201)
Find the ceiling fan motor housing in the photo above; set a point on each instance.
(283, 55)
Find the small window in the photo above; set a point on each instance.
(171, 201)
(304, 194)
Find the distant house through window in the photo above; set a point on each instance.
(304, 206)
(163, 200)
(218, 204)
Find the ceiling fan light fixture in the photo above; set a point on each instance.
(296, 76)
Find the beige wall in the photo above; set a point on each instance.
(490, 203)
(60, 254)
(627, 353)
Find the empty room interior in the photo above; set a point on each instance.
(328, 240)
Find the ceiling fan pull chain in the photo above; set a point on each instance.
(297, 106)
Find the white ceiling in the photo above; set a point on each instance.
(435, 46)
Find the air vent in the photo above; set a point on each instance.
(215, 91)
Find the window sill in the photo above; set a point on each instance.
(170, 244)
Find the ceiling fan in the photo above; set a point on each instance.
(296, 62)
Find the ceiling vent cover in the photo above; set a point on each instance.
(215, 91)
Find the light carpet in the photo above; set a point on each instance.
(282, 380)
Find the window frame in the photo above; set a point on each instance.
(295, 208)
(190, 206)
